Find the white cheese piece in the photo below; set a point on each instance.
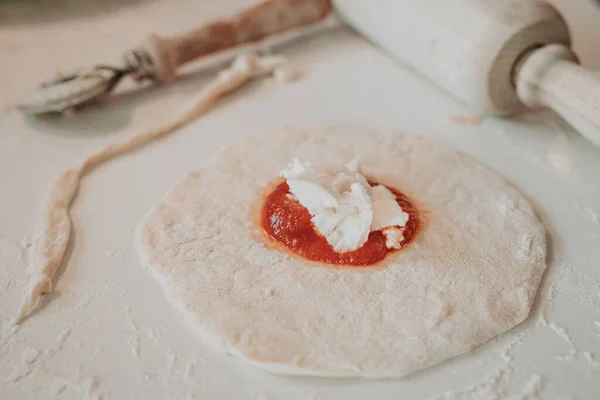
(338, 200)
(393, 236)
(354, 166)
(343, 207)
(388, 216)
(386, 210)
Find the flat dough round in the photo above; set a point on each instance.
(471, 274)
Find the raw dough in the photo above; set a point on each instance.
(471, 274)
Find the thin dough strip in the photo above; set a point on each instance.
(54, 225)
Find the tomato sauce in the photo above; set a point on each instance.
(288, 223)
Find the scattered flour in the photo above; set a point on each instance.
(19, 371)
(115, 253)
(29, 355)
(25, 246)
(171, 360)
(148, 376)
(85, 301)
(57, 386)
(563, 333)
(531, 390)
(582, 291)
(591, 360)
(594, 216)
(88, 387)
(490, 387)
(8, 283)
(152, 333)
(32, 360)
(189, 370)
(135, 334)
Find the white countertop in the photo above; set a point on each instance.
(109, 331)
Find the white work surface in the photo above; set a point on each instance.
(109, 332)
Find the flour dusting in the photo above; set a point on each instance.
(25, 246)
(85, 301)
(563, 333)
(29, 355)
(152, 333)
(19, 371)
(593, 215)
(134, 339)
(531, 390)
(581, 290)
(189, 370)
(57, 386)
(33, 360)
(87, 387)
(171, 360)
(492, 385)
(591, 360)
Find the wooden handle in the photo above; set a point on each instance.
(551, 76)
(250, 25)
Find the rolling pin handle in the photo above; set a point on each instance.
(551, 76)
(169, 53)
(249, 26)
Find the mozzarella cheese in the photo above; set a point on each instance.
(343, 206)
(394, 235)
(386, 211)
(337, 199)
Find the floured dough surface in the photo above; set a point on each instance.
(471, 274)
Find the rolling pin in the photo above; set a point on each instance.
(500, 57)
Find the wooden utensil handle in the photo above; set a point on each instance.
(253, 24)
(551, 77)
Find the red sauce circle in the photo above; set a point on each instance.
(288, 223)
